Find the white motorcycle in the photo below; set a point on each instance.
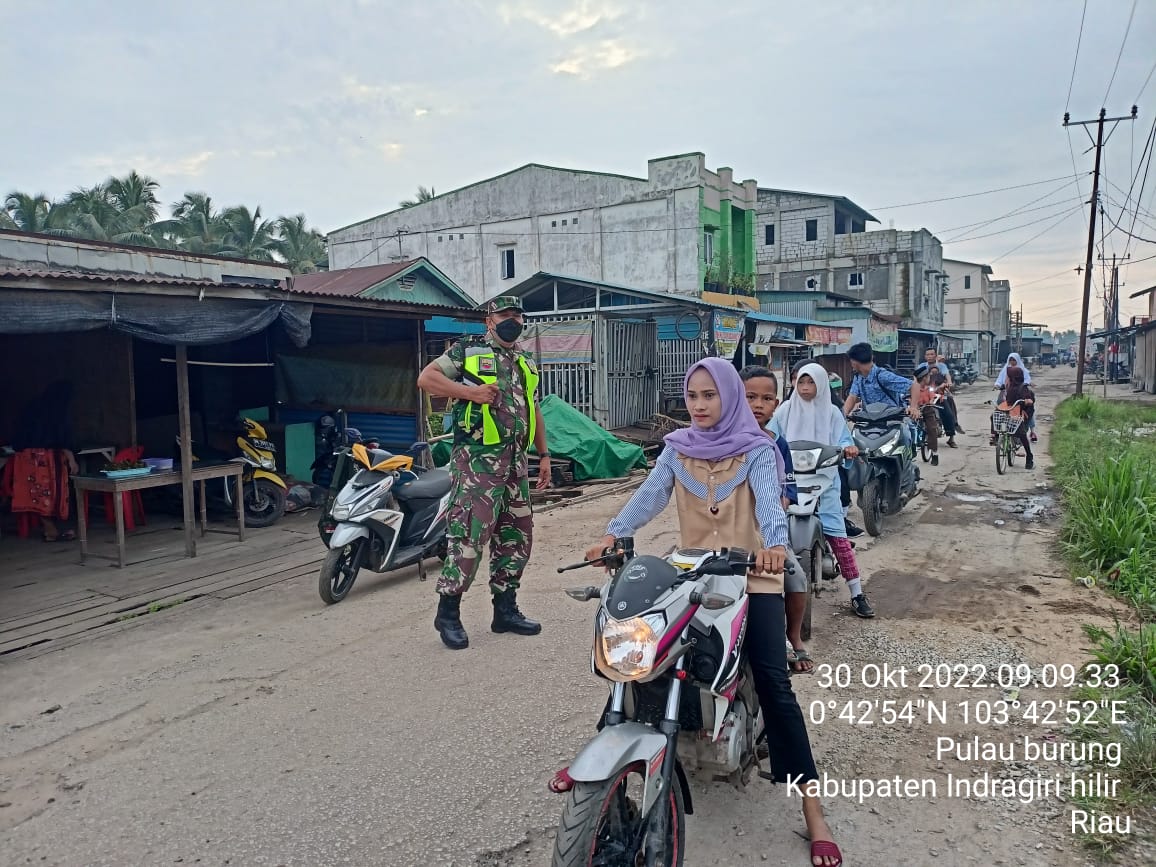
(385, 517)
(668, 637)
(805, 528)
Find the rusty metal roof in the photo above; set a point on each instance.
(7, 273)
(346, 282)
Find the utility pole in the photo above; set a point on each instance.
(399, 234)
(1091, 232)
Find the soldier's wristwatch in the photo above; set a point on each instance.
(543, 454)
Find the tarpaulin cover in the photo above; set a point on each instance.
(171, 320)
(595, 453)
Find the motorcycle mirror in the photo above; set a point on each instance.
(582, 594)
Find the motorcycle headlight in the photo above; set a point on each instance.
(340, 513)
(629, 646)
(889, 446)
(268, 463)
(805, 460)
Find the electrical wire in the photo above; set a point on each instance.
(1022, 209)
(1144, 86)
(1123, 42)
(1034, 237)
(968, 195)
(1079, 39)
(1071, 210)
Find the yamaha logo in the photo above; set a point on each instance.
(621, 606)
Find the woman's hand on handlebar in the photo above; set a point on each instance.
(597, 549)
(770, 560)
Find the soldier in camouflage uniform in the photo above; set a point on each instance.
(495, 420)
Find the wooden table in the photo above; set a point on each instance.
(116, 487)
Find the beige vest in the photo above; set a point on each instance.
(729, 524)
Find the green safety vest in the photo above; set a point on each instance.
(483, 366)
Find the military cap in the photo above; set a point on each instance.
(503, 302)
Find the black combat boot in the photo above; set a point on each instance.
(507, 617)
(448, 623)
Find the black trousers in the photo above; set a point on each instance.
(844, 487)
(787, 739)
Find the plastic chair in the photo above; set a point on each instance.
(130, 500)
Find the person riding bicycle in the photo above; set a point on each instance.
(1014, 360)
(1018, 391)
(929, 411)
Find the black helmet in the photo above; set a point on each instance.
(921, 370)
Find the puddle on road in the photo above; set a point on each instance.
(1028, 507)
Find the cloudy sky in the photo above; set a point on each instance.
(340, 109)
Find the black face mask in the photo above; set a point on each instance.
(508, 330)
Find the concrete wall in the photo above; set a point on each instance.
(645, 233)
(22, 251)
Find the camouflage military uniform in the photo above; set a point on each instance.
(490, 501)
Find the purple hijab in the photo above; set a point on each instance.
(737, 431)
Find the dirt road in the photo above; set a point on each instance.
(272, 730)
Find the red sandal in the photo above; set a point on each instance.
(561, 782)
(824, 849)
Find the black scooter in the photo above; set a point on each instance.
(885, 474)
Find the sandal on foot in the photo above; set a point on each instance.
(827, 852)
(802, 662)
(561, 782)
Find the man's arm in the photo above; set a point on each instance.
(433, 380)
(540, 432)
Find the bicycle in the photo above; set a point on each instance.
(1006, 427)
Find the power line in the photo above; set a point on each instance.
(1079, 39)
(1123, 42)
(1034, 237)
(1022, 209)
(1144, 86)
(968, 195)
(1071, 210)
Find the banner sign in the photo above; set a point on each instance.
(825, 335)
(883, 336)
(728, 332)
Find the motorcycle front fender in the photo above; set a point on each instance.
(804, 533)
(346, 533)
(273, 477)
(617, 747)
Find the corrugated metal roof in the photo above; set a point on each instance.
(346, 282)
(761, 316)
(119, 277)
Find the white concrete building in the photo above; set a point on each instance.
(971, 312)
(661, 232)
(813, 242)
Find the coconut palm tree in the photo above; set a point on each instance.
(303, 249)
(246, 235)
(195, 225)
(423, 195)
(34, 213)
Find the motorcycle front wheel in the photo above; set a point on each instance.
(337, 573)
(601, 822)
(264, 503)
(871, 504)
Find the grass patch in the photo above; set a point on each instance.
(1105, 464)
(1105, 457)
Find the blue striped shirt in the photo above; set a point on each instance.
(759, 471)
(882, 386)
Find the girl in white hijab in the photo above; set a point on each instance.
(1015, 360)
(810, 415)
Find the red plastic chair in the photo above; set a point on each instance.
(130, 500)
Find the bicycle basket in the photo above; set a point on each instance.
(1005, 422)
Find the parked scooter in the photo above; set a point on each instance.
(264, 489)
(810, 545)
(891, 478)
(963, 374)
(388, 515)
(334, 436)
(668, 636)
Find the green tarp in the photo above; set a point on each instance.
(595, 453)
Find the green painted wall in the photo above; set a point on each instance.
(706, 217)
(424, 291)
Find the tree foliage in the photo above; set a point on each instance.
(127, 210)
